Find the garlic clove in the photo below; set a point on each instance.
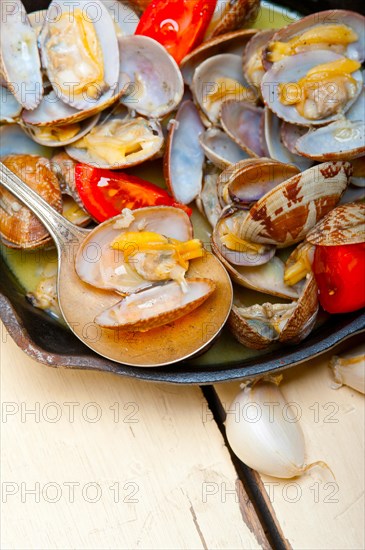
(264, 433)
(349, 369)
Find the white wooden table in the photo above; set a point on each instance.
(94, 461)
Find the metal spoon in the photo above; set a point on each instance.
(80, 303)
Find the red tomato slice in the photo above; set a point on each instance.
(179, 25)
(105, 193)
(340, 276)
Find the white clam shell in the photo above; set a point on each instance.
(205, 78)
(231, 42)
(220, 149)
(156, 306)
(276, 148)
(341, 140)
(97, 263)
(96, 13)
(147, 133)
(356, 21)
(85, 127)
(10, 108)
(20, 62)
(243, 122)
(156, 86)
(293, 68)
(184, 157)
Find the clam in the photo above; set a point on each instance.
(52, 111)
(156, 86)
(287, 213)
(73, 212)
(267, 277)
(244, 123)
(19, 228)
(229, 16)
(156, 306)
(184, 157)
(312, 88)
(60, 136)
(253, 68)
(217, 79)
(274, 141)
(230, 42)
(10, 109)
(343, 225)
(247, 181)
(259, 326)
(118, 142)
(80, 53)
(102, 266)
(232, 250)
(340, 31)
(20, 64)
(340, 140)
(208, 202)
(63, 166)
(220, 149)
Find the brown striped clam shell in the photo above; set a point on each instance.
(343, 225)
(19, 227)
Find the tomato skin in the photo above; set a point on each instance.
(179, 25)
(340, 275)
(105, 193)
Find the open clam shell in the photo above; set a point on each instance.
(246, 182)
(230, 42)
(208, 201)
(60, 136)
(19, 62)
(227, 224)
(287, 213)
(118, 142)
(156, 306)
(156, 86)
(340, 140)
(220, 149)
(356, 21)
(259, 326)
(19, 227)
(345, 224)
(229, 16)
(243, 121)
(209, 84)
(275, 145)
(291, 70)
(103, 267)
(94, 66)
(10, 109)
(184, 157)
(253, 68)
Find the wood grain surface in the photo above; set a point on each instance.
(110, 463)
(317, 510)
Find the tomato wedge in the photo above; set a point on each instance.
(340, 275)
(105, 193)
(179, 25)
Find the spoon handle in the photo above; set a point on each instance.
(61, 230)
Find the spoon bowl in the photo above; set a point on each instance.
(80, 303)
